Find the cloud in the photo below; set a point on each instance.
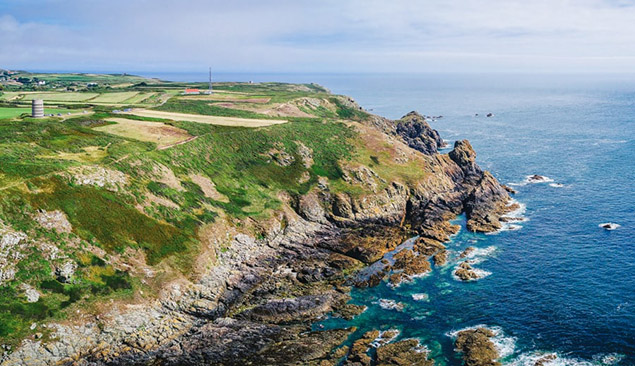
(327, 35)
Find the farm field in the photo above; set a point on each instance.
(139, 98)
(160, 133)
(59, 96)
(233, 97)
(114, 97)
(16, 112)
(127, 97)
(86, 78)
(213, 120)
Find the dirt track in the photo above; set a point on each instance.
(213, 120)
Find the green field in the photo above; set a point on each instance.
(87, 78)
(139, 98)
(114, 97)
(59, 96)
(16, 112)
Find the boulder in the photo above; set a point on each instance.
(477, 348)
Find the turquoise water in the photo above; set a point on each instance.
(560, 283)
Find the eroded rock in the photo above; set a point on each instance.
(477, 348)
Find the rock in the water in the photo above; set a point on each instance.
(440, 258)
(467, 252)
(477, 348)
(465, 272)
(405, 352)
(546, 359)
(609, 226)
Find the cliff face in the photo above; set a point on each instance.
(414, 130)
(418, 134)
(255, 304)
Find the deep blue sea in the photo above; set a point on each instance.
(558, 284)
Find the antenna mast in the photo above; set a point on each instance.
(210, 81)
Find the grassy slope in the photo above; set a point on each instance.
(34, 175)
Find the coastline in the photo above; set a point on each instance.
(269, 290)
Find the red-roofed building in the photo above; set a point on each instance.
(191, 91)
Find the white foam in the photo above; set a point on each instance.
(515, 216)
(609, 226)
(504, 344)
(531, 180)
(530, 359)
(611, 358)
(407, 279)
(556, 185)
(482, 252)
(381, 340)
(390, 304)
(506, 347)
(480, 273)
(519, 212)
(540, 179)
(421, 297)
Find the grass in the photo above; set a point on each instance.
(236, 160)
(90, 154)
(6, 112)
(101, 216)
(140, 98)
(205, 108)
(156, 132)
(119, 97)
(206, 119)
(59, 96)
(39, 157)
(86, 78)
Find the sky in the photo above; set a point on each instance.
(319, 35)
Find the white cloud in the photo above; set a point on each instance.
(328, 35)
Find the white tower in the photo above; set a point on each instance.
(37, 108)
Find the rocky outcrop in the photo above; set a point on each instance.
(487, 199)
(403, 352)
(465, 272)
(418, 134)
(476, 347)
(254, 305)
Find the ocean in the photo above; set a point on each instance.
(558, 283)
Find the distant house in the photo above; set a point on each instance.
(191, 91)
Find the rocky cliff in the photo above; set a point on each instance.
(255, 305)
